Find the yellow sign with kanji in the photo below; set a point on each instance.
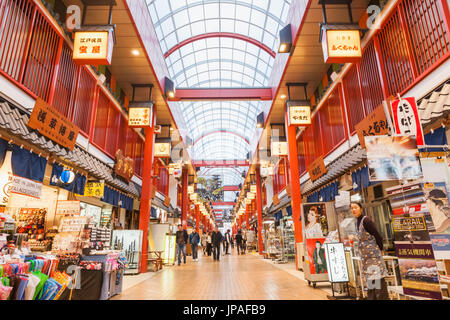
(93, 47)
(94, 189)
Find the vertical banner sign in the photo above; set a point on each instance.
(336, 262)
(406, 118)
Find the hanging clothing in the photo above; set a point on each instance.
(373, 266)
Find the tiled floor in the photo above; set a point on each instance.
(245, 277)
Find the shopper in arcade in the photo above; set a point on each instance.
(204, 242)
(181, 239)
(209, 244)
(239, 241)
(370, 245)
(216, 240)
(227, 241)
(194, 240)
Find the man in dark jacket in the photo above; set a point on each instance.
(227, 241)
(320, 264)
(239, 241)
(181, 240)
(194, 240)
(216, 239)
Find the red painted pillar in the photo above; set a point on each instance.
(259, 211)
(296, 199)
(185, 198)
(146, 193)
(197, 218)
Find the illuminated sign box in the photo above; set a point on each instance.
(341, 43)
(93, 47)
(279, 149)
(162, 150)
(140, 116)
(299, 113)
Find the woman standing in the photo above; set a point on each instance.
(370, 245)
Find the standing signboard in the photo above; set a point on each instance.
(336, 262)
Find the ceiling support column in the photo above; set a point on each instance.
(296, 196)
(259, 210)
(147, 186)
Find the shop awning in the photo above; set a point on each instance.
(337, 168)
(15, 123)
(435, 105)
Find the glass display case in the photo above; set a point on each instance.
(288, 239)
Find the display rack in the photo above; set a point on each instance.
(288, 239)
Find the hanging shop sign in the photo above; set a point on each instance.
(336, 262)
(140, 117)
(93, 47)
(375, 124)
(167, 202)
(253, 188)
(317, 169)
(162, 149)
(393, 158)
(124, 166)
(94, 189)
(279, 148)
(26, 187)
(50, 123)
(299, 115)
(190, 189)
(68, 207)
(406, 118)
(341, 45)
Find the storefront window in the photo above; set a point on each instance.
(89, 210)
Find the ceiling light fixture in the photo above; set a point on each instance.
(135, 52)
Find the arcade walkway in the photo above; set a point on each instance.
(233, 278)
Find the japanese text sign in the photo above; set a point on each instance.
(162, 150)
(279, 149)
(336, 262)
(124, 166)
(53, 125)
(317, 169)
(299, 115)
(67, 207)
(341, 46)
(94, 189)
(406, 119)
(140, 117)
(374, 124)
(93, 47)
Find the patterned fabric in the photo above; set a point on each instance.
(373, 266)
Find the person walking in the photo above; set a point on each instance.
(181, 240)
(209, 244)
(227, 241)
(370, 245)
(244, 241)
(194, 240)
(204, 242)
(216, 239)
(239, 241)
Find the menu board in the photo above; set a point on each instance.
(72, 224)
(336, 262)
(68, 207)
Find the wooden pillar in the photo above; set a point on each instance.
(146, 193)
(294, 171)
(259, 210)
(185, 198)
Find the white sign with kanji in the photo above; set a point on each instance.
(336, 262)
(406, 119)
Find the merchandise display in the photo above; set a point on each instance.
(288, 239)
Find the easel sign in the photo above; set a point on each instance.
(337, 266)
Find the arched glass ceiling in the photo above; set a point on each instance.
(205, 117)
(178, 20)
(219, 62)
(230, 176)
